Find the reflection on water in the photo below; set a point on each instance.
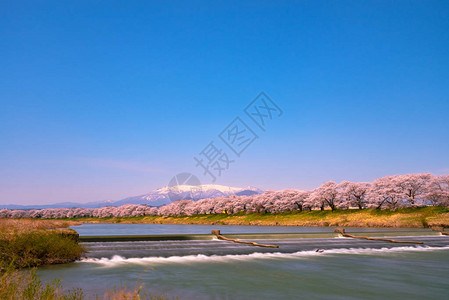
(156, 229)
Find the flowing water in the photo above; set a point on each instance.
(318, 268)
(143, 229)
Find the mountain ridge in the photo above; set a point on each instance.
(157, 197)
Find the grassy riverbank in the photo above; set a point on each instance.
(26, 285)
(30, 243)
(404, 217)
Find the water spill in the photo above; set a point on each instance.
(117, 259)
(328, 268)
(156, 229)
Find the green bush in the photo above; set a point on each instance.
(40, 247)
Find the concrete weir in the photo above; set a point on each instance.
(249, 236)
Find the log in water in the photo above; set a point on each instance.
(215, 269)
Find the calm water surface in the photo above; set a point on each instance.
(149, 229)
(342, 268)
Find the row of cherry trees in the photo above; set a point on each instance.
(392, 192)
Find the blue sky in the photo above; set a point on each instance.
(106, 99)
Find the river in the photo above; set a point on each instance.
(318, 268)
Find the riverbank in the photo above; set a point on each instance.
(30, 243)
(422, 217)
(26, 243)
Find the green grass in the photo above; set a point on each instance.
(38, 248)
(19, 284)
(29, 243)
(404, 217)
(26, 285)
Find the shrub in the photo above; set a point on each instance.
(38, 247)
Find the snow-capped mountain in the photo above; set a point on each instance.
(166, 195)
(157, 197)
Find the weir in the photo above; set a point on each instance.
(250, 236)
(220, 237)
(441, 230)
(341, 231)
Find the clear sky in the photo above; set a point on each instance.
(101, 100)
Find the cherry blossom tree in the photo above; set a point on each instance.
(291, 200)
(175, 208)
(386, 191)
(437, 191)
(354, 193)
(414, 187)
(151, 211)
(326, 195)
(5, 213)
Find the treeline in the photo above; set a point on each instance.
(390, 192)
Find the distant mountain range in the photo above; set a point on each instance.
(157, 197)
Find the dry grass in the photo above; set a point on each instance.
(406, 218)
(24, 284)
(17, 284)
(135, 294)
(29, 243)
(26, 225)
(34, 242)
